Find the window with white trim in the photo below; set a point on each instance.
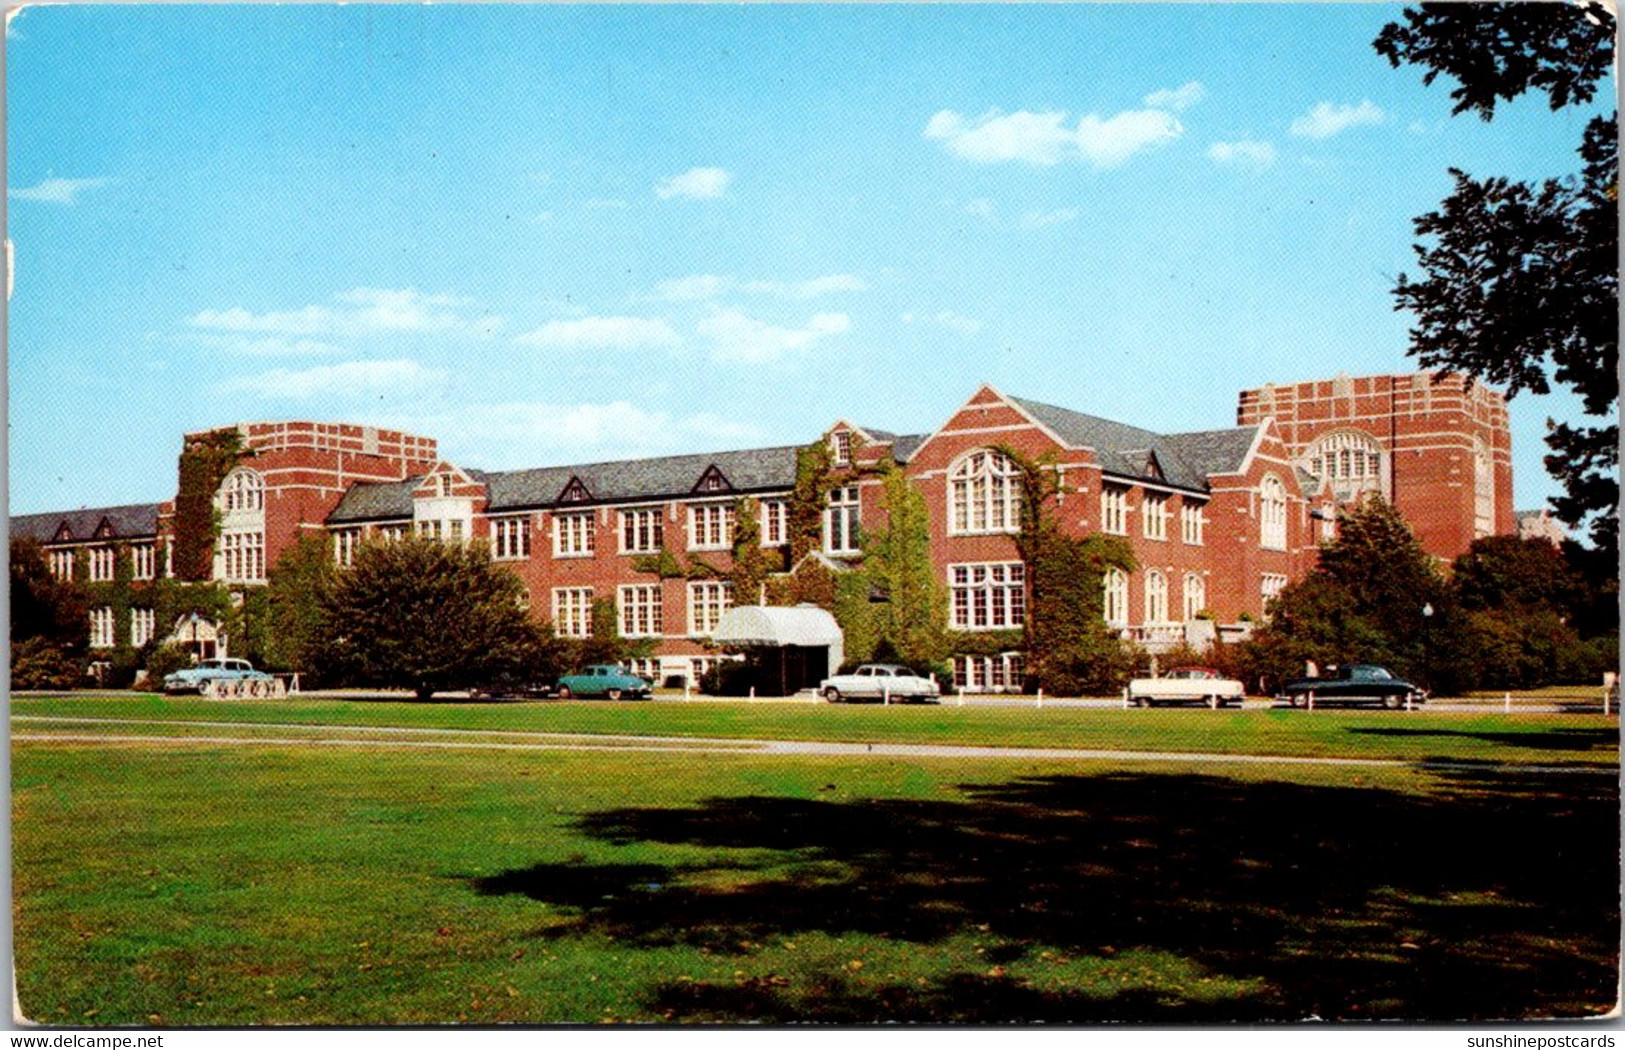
(143, 561)
(345, 543)
(1114, 597)
(101, 564)
(989, 674)
(243, 554)
(390, 533)
(841, 447)
(572, 612)
(1114, 510)
(710, 526)
(707, 601)
(640, 610)
(1272, 514)
(101, 627)
(841, 522)
(242, 490)
(1271, 584)
(1195, 593)
(982, 495)
(643, 530)
(62, 564)
(1156, 597)
(775, 522)
(510, 537)
(1350, 459)
(988, 596)
(143, 623)
(1192, 522)
(432, 528)
(1154, 516)
(573, 535)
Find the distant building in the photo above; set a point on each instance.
(1219, 520)
(1540, 525)
(1436, 446)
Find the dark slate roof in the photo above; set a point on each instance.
(1186, 459)
(618, 481)
(882, 436)
(904, 447)
(135, 520)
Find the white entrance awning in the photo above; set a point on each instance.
(746, 626)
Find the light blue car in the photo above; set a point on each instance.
(201, 678)
(606, 681)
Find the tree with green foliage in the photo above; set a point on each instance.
(296, 595)
(424, 615)
(1521, 281)
(751, 561)
(912, 619)
(43, 606)
(1068, 648)
(1374, 597)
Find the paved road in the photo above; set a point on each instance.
(112, 730)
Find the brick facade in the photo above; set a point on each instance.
(1217, 520)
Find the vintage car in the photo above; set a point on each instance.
(1186, 685)
(880, 682)
(1354, 684)
(604, 680)
(207, 677)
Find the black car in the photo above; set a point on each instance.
(1354, 684)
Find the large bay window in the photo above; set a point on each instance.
(244, 556)
(640, 610)
(983, 492)
(988, 596)
(989, 674)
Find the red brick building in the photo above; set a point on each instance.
(1218, 520)
(1436, 446)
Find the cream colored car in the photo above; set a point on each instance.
(1186, 685)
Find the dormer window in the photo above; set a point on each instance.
(445, 484)
(841, 446)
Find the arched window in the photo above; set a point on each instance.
(1156, 597)
(982, 491)
(1114, 604)
(1272, 514)
(1350, 459)
(242, 490)
(1483, 490)
(1195, 595)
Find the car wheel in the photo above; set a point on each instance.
(613, 694)
(1392, 702)
(833, 695)
(1292, 700)
(564, 693)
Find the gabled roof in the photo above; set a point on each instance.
(1209, 452)
(904, 447)
(619, 481)
(134, 521)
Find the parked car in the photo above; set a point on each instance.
(1186, 685)
(1354, 684)
(604, 680)
(880, 682)
(199, 677)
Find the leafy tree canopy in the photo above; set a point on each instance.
(424, 615)
(1520, 282)
(43, 606)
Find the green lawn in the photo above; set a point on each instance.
(1414, 735)
(242, 885)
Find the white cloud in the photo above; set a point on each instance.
(699, 184)
(743, 339)
(530, 432)
(1245, 152)
(703, 287)
(386, 378)
(1044, 139)
(811, 288)
(267, 346)
(603, 333)
(983, 208)
(364, 312)
(696, 288)
(1177, 99)
(958, 322)
(56, 191)
(1034, 220)
(1327, 119)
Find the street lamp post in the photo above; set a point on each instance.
(1427, 653)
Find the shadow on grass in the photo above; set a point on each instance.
(1337, 902)
(1562, 739)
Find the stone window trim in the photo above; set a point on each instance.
(983, 495)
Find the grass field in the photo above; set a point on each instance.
(289, 884)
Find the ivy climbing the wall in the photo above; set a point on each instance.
(205, 461)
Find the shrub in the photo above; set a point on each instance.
(166, 659)
(37, 664)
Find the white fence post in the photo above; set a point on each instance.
(1311, 699)
(1506, 704)
(1040, 696)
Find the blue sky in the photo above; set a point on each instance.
(550, 235)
